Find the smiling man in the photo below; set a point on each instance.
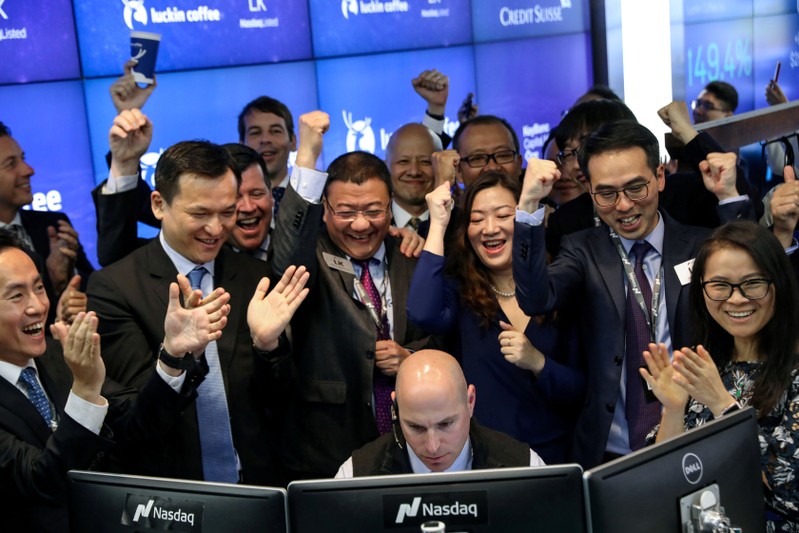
(433, 427)
(626, 278)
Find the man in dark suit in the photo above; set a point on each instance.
(350, 337)
(195, 200)
(49, 234)
(593, 273)
(52, 415)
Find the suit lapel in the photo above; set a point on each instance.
(610, 269)
(676, 249)
(21, 414)
(399, 278)
(225, 274)
(162, 271)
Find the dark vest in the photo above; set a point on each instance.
(490, 449)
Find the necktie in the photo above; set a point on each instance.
(36, 394)
(383, 385)
(216, 442)
(641, 414)
(277, 194)
(414, 223)
(21, 235)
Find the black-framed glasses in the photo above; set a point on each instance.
(501, 157)
(609, 198)
(705, 105)
(751, 289)
(564, 156)
(349, 215)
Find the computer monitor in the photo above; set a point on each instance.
(114, 503)
(643, 491)
(508, 500)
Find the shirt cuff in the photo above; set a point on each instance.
(793, 247)
(309, 183)
(433, 124)
(531, 219)
(175, 383)
(734, 199)
(117, 184)
(87, 414)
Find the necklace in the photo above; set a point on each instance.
(509, 294)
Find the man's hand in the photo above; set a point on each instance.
(190, 327)
(81, 345)
(313, 126)
(71, 302)
(718, 173)
(389, 356)
(784, 207)
(411, 244)
(269, 314)
(126, 93)
(774, 94)
(540, 176)
(60, 261)
(675, 115)
(446, 166)
(433, 86)
(468, 109)
(518, 350)
(129, 138)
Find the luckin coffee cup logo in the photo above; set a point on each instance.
(164, 514)
(134, 10)
(454, 508)
(692, 468)
(360, 135)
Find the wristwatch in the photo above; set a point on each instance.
(179, 363)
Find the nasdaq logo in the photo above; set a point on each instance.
(134, 10)
(155, 512)
(408, 509)
(349, 6)
(360, 135)
(455, 508)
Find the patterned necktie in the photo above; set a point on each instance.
(277, 194)
(414, 223)
(36, 394)
(642, 415)
(383, 385)
(216, 442)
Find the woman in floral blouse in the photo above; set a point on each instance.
(745, 306)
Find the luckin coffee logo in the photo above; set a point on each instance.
(455, 508)
(360, 135)
(692, 468)
(134, 10)
(154, 512)
(351, 6)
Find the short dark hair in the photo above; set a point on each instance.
(484, 120)
(5, 131)
(619, 135)
(200, 158)
(725, 93)
(776, 341)
(584, 118)
(604, 92)
(9, 240)
(267, 104)
(358, 167)
(245, 157)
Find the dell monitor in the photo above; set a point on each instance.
(508, 500)
(663, 488)
(113, 503)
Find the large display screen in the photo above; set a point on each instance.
(777, 40)
(345, 27)
(48, 120)
(194, 33)
(37, 41)
(513, 19)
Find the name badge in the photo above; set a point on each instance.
(338, 263)
(683, 271)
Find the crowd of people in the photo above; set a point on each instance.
(294, 323)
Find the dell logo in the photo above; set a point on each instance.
(692, 468)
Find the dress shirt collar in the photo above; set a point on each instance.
(10, 372)
(17, 220)
(183, 265)
(402, 217)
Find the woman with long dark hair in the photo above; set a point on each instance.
(524, 368)
(744, 306)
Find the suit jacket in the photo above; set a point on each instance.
(327, 378)
(131, 298)
(36, 224)
(588, 274)
(34, 460)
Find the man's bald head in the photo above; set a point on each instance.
(409, 157)
(431, 368)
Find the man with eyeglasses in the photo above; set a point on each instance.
(486, 143)
(352, 333)
(717, 100)
(626, 278)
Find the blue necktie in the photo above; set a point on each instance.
(36, 394)
(216, 442)
(277, 195)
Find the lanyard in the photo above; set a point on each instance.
(651, 316)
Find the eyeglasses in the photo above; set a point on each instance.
(349, 215)
(705, 105)
(502, 157)
(751, 289)
(564, 156)
(635, 193)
